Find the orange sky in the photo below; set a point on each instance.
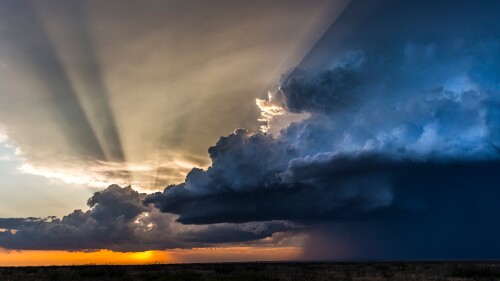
(226, 254)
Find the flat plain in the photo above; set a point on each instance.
(264, 271)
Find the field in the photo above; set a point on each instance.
(264, 271)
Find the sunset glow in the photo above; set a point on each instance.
(224, 254)
(35, 258)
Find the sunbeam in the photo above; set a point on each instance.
(117, 88)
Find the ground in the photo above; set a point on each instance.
(264, 271)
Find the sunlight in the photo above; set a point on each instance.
(39, 258)
(23, 258)
(143, 256)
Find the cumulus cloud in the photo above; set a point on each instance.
(118, 220)
(368, 125)
(15, 223)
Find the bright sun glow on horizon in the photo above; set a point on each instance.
(143, 256)
(106, 257)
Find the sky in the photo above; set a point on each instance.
(188, 131)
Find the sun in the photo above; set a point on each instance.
(143, 256)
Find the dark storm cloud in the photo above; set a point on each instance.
(399, 157)
(455, 215)
(373, 120)
(15, 223)
(119, 220)
(331, 90)
(308, 193)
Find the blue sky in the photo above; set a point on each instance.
(38, 195)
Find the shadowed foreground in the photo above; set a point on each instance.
(264, 271)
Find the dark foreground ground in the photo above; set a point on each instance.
(264, 271)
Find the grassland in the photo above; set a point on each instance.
(264, 271)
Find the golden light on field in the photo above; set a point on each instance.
(234, 254)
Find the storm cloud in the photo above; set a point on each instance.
(118, 220)
(367, 128)
(401, 135)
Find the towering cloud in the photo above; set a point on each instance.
(395, 136)
(368, 125)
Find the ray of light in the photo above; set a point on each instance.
(134, 85)
(73, 46)
(50, 84)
